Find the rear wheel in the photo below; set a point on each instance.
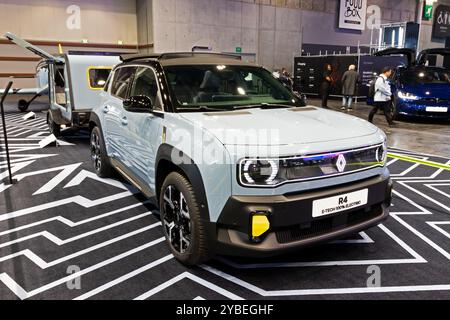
(23, 105)
(180, 214)
(54, 128)
(99, 156)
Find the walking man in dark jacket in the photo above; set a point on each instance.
(350, 80)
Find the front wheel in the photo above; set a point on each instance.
(393, 110)
(99, 156)
(180, 215)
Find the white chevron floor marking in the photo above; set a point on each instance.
(51, 237)
(45, 265)
(365, 239)
(82, 201)
(310, 292)
(83, 175)
(49, 186)
(434, 188)
(22, 294)
(404, 183)
(190, 276)
(124, 278)
(70, 223)
(14, 168)
(25, 157)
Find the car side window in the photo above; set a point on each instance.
(145, 84)
(121, 83)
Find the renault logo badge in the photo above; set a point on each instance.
(341, 163)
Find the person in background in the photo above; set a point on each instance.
(285, 78)
(383, 96)
(326, 84)
(350, 80)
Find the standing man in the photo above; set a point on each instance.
(383, 96)
(326, 84)
(350, 80)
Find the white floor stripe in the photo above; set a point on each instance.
(45, 265)
(22, 294)
(70, 223)
(190, 276)
(51, 237)
(82, 201)
(124, 278)
(312, 292)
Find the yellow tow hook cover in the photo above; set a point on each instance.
(260, 225)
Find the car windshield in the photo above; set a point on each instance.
(426, 76)
(221, 87)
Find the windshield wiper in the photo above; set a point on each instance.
(264, 106)
(203, 109)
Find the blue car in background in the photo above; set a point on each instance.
(420, 90)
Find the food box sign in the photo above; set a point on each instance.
(352, 14)
(441, 28)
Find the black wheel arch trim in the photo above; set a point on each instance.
(95, 120)
(192, 173)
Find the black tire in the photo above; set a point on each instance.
(23, 105)
(181, 221)
(393, 110)
(53, 127)
(100, 159)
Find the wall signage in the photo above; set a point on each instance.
(352, 14)
(441, 27)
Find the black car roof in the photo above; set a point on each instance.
(187, 58)
(414, 68)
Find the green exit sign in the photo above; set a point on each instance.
(428, 12)
(238, 50)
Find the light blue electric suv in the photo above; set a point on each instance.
(236, 162)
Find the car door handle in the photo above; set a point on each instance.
(124, 121)
(106, 109)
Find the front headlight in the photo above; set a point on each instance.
(382, 153)
(259, 172)
(407, 96)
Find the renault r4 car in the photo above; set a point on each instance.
(238, 165)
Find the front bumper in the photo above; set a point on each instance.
(419, 109)
(291, 221)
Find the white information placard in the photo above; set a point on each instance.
(30, 115)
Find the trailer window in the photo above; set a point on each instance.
(97, 77)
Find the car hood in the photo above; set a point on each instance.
(302, 125)
(429, 90)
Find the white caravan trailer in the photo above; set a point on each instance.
(72, 81)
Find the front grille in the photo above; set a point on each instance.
(331, 164)
(332, 224)
(434, 100)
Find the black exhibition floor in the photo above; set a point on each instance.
(65, 234)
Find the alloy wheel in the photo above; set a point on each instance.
(96, 151)
(177, 221)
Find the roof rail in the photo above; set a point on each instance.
(177, 55)
(139, 56)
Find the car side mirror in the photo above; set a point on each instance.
(138, 104)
